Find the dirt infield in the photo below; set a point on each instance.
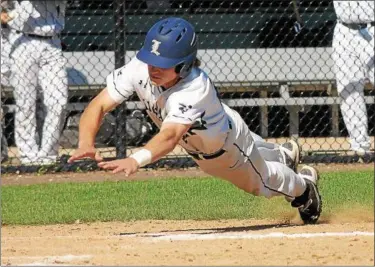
(189, 243)
(345, 239)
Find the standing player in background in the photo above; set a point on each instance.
(37, 60)
(182, 101)
(353, 55)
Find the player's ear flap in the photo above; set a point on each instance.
(178, 68)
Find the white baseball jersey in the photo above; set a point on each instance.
(355, 11)
(192, 100)
(44, 18)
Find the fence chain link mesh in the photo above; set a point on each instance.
(272, 61)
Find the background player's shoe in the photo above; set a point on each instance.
(362, 151)
(291, 153)
(309, 204)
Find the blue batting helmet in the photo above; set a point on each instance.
(170, 42)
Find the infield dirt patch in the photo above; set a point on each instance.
(231, 242)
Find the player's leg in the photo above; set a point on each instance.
(287, 153)
(244, 167)
(24, 70)
(54, 83)
(5, 60)
(369, 57)
(349, 72)
(3, 140)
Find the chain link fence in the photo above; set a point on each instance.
(272, 61)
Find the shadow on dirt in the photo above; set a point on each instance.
(230, 229)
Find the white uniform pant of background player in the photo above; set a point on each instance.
(38, 62)
(354, 62)
(5, 74)
(244, 166)
(5, 61)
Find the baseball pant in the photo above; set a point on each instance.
(38, 62)
(353, 58)
(5, 61)
(244, 166)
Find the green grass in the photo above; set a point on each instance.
(198, 199)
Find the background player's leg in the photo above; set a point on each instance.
(353, 109)
(3, 140)
(367, 55)
(24, 71)
(5, 60)
(53, 80)
(350, 76)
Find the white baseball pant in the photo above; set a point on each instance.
(353, 58)
(243, 165)
(5, 60)
(38, 62)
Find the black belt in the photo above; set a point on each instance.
(357, 26)
(35, 35)
(210, 156)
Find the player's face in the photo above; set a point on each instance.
(162, 77)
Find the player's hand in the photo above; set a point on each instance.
(85, 152)
(128, 166)
(7, 16)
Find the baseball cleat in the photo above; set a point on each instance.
(309, 204)
(291, 154)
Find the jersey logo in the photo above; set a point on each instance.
(199, 124)
(155, 47)
(183, 108)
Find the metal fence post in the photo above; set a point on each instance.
(120, 50)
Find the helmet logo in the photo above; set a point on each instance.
(155, 47)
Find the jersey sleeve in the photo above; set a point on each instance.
(119, 83)
(183, 110)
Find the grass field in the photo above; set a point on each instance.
(177, 199)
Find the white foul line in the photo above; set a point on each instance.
(213, 236)
(49, 260)
(201, 236)
(155, 237)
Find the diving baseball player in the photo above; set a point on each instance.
(182, 101)
(353, 55)
(37, 60)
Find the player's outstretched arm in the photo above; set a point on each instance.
(89, 125)
(159, 146)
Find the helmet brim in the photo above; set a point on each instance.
(155, 60)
